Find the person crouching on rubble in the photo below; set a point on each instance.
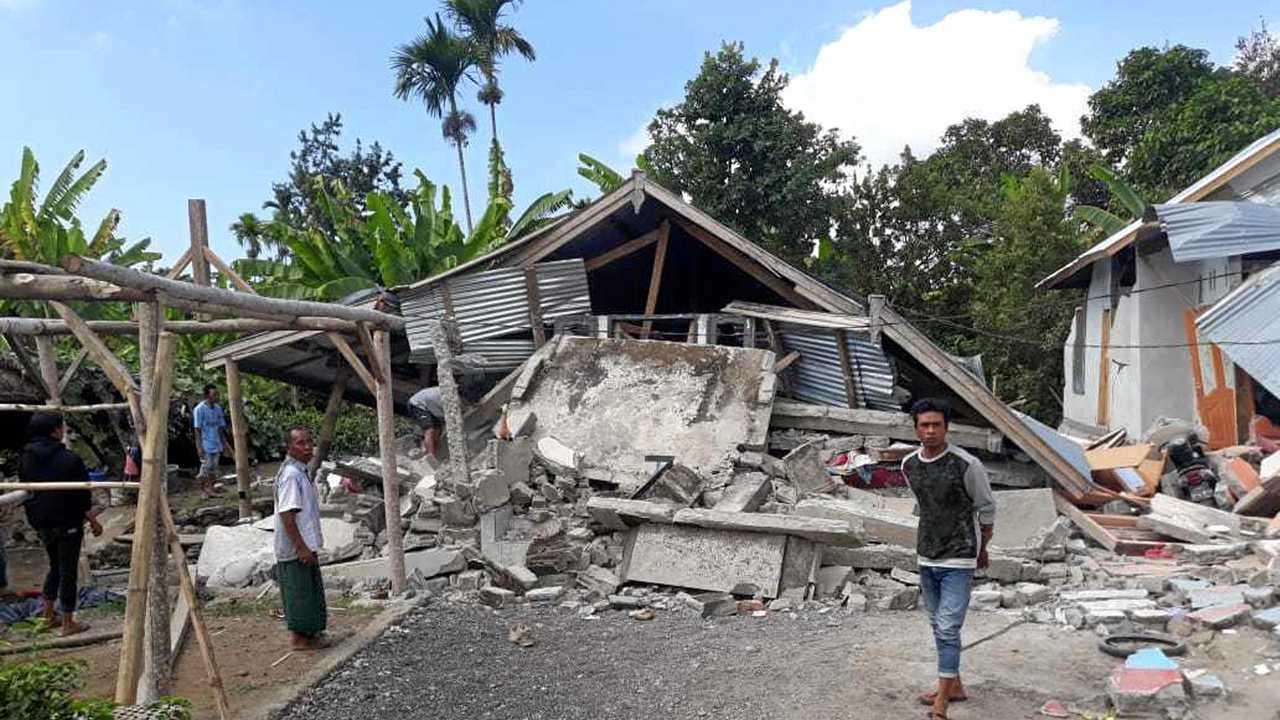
(297, 539)
(957, 516)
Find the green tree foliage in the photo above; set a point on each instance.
(1019, 325)
(432, 69)
(1258, 57)
(43, 690)
(295, 201)
(1170, 116)
(742, 156)
(483, 22)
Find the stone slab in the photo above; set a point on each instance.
(805, 469)
(429, 563)
(876, 524)
(1021, 516)
(1267, 619)
(704, 559)
(871, 557)
(1221, 616)
(746, 493)
(1111, 594)
(800, 563)
(622, 513)
(234, 556)
(1209, 597)
(832, 532)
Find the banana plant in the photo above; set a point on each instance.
(1122, 193)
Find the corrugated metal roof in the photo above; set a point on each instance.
(817, 377)
(1246, 326)
(494, 304)
(1204, 230)
(1069, 449)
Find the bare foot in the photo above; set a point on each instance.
(71, 627)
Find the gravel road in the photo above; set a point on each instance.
(445, 662)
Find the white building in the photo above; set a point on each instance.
(1139, 347)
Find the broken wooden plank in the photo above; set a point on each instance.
(1176, 528)
(1262, 501)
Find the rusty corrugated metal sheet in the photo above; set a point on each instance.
(817, 377)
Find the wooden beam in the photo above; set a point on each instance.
(745, 264)
(846, 369)
(115, 370)
(24, 407)
(203, 639)
(895, 425)
(198, 223)
(28, 286)
(1087, 525)
(184, 260)
(785, 362)
(41, 326)
(24, 359)
(353, 360)
(535, 305)
(157, 665)
(623, 250)
(47, 355)
(239, 438)
(72, 369)
(655, 277)
(146, 515)
(227, 272)
(329, 422)
(371, 354)
(810, 318)
(147, 283)
(60, 486)
(387, 456)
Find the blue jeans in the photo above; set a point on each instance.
(945, 592)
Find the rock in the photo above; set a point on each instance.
(642, 614)
(1268, 619)
(235, 556)
(834, 532)
(544, 594)
(905, 577)
(805, 469)
(521, 494)
(599, 581)
(985, 599)
(746, 493)
(1005, 569)
(520, 576)
(712, 604)
(1137, 691)
(1209, 597)
(620, 513)
(871, 557)
(469, 580)
(491, 489)
(496, 597)
(1158, 617)
(558, 457)
(905, 598)
(511, 458)
(626, 602)
(782, 604)
(1259, 597)
(678, 484)
(1220, 616)
(1108, 594)
(1180, 625)
(1205, 685)
(456, 512)
(1210, 554)
(856, 602)
(1009, 599)
(1103, 617)
(1033, 594)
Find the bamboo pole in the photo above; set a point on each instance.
(145, 282)
(59, 486)
(240, 438)
(39, 326)
(146, 515)
(72, 369)
(157, 659)
(184, 260)
(345, 349)
(188, 590)
(28, 286)
(47, 356)
(228, 272)
(26, 407)
(330, 421)
(198, 223)
(110, 364)
(387, 454)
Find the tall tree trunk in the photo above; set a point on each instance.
(462, 164)
(493, 120)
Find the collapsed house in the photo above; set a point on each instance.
(1179, 321)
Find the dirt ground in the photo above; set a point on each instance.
(444, 662)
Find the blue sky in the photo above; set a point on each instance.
(205, 99)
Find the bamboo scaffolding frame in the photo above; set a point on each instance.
(26, 407)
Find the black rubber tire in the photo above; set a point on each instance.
(1123, 645)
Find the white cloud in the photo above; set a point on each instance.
(889, 83)
(634, 144)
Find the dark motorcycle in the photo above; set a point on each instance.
(1196, 479)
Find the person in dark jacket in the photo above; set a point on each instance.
(59, 516)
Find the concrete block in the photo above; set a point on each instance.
(832, 532)
(1134, 691)
(496, 597)
(876, 524)
(1206, 685)
(746, 493)
(905, 577)
(712, 604)
(678, 484)
(521, 576)
(805, 469)
(493, 526)
(1268, 619)
(704, 559)
(985, 599)
(456, 512)
(470, 580)
(627, 602)
(544, 594)
(512, 458)
(1259, 597)
(1183, 586)
(521, 494)
(235, 556)
(1220, 616)
(871, 557)
(1157, 617)
(1209, 597)
(425, 563)
(1005, 569)
(1104, 617)
(557, 456)
(621, 513)
(599, 581)
(491, 489)
(1022, 516)
(1124, 605)
(904, 598)
(1209, 554)
(1107, 594)
(831, 579)
(1033, 594)
(800, 564)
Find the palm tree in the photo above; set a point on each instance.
(431, 68)
(482, 22)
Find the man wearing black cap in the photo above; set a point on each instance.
(58, 516)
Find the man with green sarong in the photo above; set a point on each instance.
(297, 538)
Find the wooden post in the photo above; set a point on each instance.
(846, 368)
(198, 223)
(453, 424)
(239, 438)
(188, 588)
(330, 421)
(145, 517)
(110, 364)
(48, 358)
(72, 369)
(387, 454)
(157, 658)
(655, 279)
(535, 305)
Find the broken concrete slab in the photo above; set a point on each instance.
(456, 512)
(496, 597)
(598, 397)
(746, 493)
(1268, 619)
(832, 578)
(1071, 596)
(875, 524)
(1221, 616)
(711, 604)
(1136, 691)
(1021, 516)
(491, 489)
(621, 513)
(426, 563)
(678, 484)
(599, 581)
(558, 457)
(1208, 597)
(704, 559)
(235, 556)
(832, 532)
(871, 557)
(544, 594)
(511, 457)
(800, 564)
(805, 469)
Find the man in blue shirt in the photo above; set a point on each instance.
(211, 429)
